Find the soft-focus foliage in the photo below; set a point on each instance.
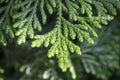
(61, 26)
(99, 61)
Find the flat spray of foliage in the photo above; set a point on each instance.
(66, 22)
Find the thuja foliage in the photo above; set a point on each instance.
(58, 24)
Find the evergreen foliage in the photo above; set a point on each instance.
(72, 21)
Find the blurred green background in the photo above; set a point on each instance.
(100, 61)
